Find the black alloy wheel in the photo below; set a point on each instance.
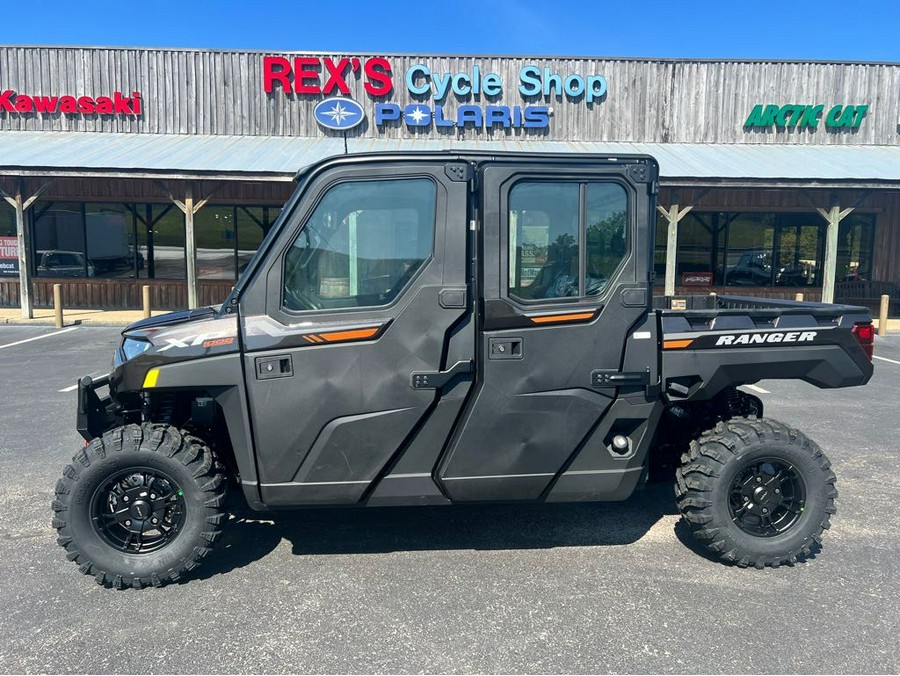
(767, 497)
(138, 511)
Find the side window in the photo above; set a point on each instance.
(565, 239)
(607, 206)
(361, 245)
(543, 240)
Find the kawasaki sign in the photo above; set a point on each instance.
(799, 116)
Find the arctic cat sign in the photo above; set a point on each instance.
(795, 116)
(115, 104)
(435, 99)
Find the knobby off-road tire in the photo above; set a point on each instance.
(747, 469)
(141, 505)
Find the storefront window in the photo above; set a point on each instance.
(59, 240)
(252, 225)
(7, 220)
(160, 239)
(765, 249)
(109, 234)
(214, 228)
(856, 237)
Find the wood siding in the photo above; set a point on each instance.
(221, 92)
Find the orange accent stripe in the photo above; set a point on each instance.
(576, 317)
(314, 338)
(677, 344)
(355, 334)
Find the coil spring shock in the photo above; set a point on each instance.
(733, 402)
(164, 407)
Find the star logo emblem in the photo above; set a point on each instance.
(338, 114)
(418, 115)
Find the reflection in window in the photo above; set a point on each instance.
(59, 240)
(856, 239)
(605, 234)
(161, 241)
(543, 240)
(545, 227)
(767, 249)
(109, 235)
(361, 246)
(214, 228)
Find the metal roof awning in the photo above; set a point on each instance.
(280, 157)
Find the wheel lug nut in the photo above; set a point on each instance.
(153, 496)
(125, 498)
(154, 520)
(765, 511)
(128, 523)
(759, 479)
(777, 492)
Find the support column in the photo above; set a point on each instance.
(834, 216)
(673, 215)
(190, 244)
(23, 235)
(189, 207)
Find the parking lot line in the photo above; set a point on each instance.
(893, 361)
(758, 389)
(46, 335)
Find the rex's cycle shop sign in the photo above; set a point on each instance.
(308, 75)
(9, 256)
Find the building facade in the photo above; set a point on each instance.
(126, 167)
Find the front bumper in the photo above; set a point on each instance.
(94, 415)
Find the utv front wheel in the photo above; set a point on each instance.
(141, 505)
(756, 492)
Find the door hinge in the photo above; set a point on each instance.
(433, 380)
(610, 378)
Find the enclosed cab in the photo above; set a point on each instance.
(442, 328)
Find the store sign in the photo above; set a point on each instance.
(433, 91)
(9, 256)
(115, 104)
(794, 116)
(339, 113)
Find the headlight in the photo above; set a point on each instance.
(131, 348)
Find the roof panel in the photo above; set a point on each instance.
(283, 156)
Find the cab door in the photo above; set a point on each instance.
(566, 290)
(355, 320)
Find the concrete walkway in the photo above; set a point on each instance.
(72, 317)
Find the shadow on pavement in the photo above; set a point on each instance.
(483, 527)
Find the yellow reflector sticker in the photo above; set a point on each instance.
(151, 378)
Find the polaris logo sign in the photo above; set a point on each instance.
(765, 338)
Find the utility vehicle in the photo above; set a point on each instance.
(438, 328)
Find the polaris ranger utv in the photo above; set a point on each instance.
(437, 328)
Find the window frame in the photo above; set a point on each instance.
(308, 213)
(582, 182)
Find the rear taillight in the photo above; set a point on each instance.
(865, 336)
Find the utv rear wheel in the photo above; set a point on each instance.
(756, 492)
(141, 505)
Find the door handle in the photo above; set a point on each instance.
(505, 348)
(433, 380)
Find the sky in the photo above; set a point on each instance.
(840, 30)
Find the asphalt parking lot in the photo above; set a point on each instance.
(571, 588)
